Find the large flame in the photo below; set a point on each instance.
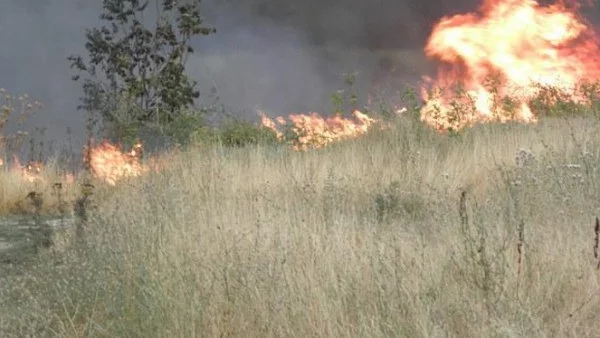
(523, 45)
(110, 164)
(314, 131)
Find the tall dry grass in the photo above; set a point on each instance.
(365, 238)
(56, 189)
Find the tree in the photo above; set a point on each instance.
(140, 66)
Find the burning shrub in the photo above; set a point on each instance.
(110, 164)
(526, 47)
(556, 102)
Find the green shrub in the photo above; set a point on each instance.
(238, 133)
(182, 130)
(555, 102)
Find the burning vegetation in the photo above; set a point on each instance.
(107, 163)
(110, 164)
(493, 63)
(351, 231)
(312, 131)
(496, 61)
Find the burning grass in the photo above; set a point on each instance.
(18, 181)
(109, 164)
(370, 237)
(489, 231)
(312, 131)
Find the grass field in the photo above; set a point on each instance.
(403, 232)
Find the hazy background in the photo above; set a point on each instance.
(278, 55)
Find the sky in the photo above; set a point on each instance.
(280, 56)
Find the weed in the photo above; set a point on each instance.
(396, 203)
(596, 241)
(263, 242)
(239, 133)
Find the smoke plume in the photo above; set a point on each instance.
(280, 56)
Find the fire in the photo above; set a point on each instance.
(70, 178)
(313, 131)
(521, 44)
(110, 164)
(270, 124)
(31, 172)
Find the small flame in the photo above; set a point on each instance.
(70, 178)
(314, 131)
(31, 172)
(270, 124)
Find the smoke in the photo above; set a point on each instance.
(371, 24)
(36, 37)
(280, 56)
(291, 56)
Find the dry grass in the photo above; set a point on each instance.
(363, 238)
(52, 185)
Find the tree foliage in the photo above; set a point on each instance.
(139, 55)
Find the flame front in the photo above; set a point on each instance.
(110, 164)
(521, 43)
(31, 172)
(314, 131)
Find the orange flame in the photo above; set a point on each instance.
(31, 172)
(270, 124)
(110, 164)
(522, 43)
(313, 131)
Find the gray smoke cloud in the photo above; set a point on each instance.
(368, 24)
(280, 56)
(36, 37)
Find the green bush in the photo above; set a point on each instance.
(238, 133)
(182, 130)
